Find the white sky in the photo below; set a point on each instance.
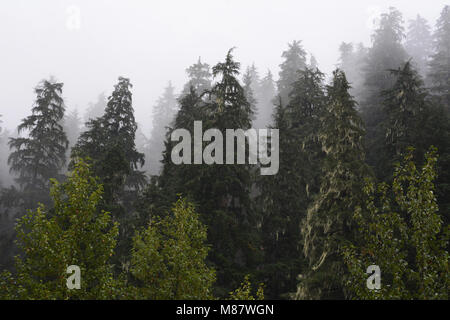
(152, 42)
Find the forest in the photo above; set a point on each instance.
(363, 180)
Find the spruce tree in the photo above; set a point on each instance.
(439, 68)
(294, 60)
(40, 156)
(285, 196)
(329, 219)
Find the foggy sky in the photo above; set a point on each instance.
(152, 42)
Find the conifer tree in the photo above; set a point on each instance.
(406, 110)
(96, 110)
(386, 53)
(199, 75)
(439, 68)
(329, 218)
(248, 86)
(72, 128)
(40, 156)
(163, 114)
(418, 43)
(413, 119)
(352, 61)
(221, 192)
(109, 143)
(294, 60)
(285, 197)
(265, 108)
(109, 147)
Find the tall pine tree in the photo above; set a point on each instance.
(285, 196)
(41, 155)
(329, 218)
(418, 43)
(294, 60)
(439, 72)
(163, 114)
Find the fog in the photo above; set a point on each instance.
(89, 44)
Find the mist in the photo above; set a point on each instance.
(87, 45)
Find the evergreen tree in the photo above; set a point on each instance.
(413, 119)
(72, 128)
(329, 218)
(439, 68)
(418, 43)
(406, 109)
(403, 235)
(294, 60)
(265, 95)
(284, 197)
(41, 155)
(386, 53)
(221, 192)
(352, 61)
(96, 110)
(75, 234)
(199, 75)
(313, 64)
(109, 144)
(248, 86)
(163, 114)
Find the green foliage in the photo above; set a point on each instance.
(74, 234)
(400, 230)
(244, 292)
(168, 258)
